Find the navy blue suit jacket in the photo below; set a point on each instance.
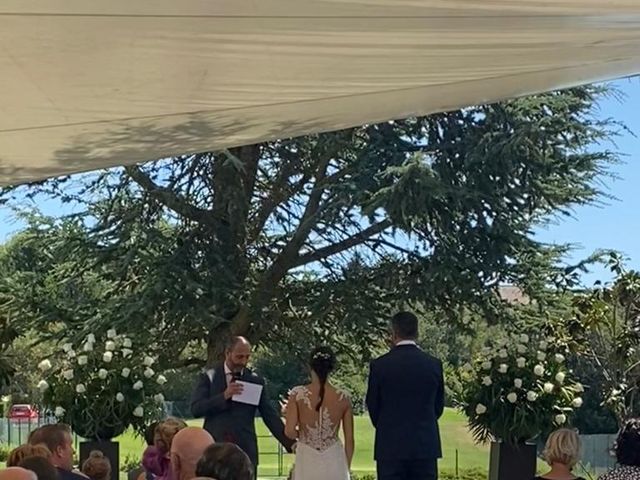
(405, 399)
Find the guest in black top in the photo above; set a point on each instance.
(562, 453)
(627, 453)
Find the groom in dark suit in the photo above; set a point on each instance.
(405, 399)
(230, 421)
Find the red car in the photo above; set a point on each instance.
(23, 412)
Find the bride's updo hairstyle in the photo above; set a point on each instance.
(323, 362)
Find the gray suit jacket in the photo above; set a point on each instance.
(234, 422)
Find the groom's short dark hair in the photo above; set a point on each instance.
(405, 325)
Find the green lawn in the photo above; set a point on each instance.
(455, 437)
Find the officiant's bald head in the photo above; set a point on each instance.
(404, 326)
(238, 353)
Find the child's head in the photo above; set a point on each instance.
(150, 433)
(97, 466)
(165, 431)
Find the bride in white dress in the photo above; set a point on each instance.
(314, 414)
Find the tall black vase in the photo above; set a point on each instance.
(512, 462)
(110, 449)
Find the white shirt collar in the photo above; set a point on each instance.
(406, 342)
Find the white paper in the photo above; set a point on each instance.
(250, 393)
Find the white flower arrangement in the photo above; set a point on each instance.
(528, 393)
(111, 377)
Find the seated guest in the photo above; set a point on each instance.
(562, 453)
(24, 451)
(627, 453)
(225, 461)
(140, 473)
(156, 459)
(97, 466)
(187, 447)
(57, 438)
(41, 467)
(17, 473)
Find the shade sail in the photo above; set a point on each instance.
(95, 83)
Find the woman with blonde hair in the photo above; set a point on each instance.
(97, 466)
(562, 453)
(156, 459)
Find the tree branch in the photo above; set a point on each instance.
(170, 199)
(350, 242)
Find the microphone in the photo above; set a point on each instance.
(235, 376)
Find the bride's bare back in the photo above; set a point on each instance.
(319, 428)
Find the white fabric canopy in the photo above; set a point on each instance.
(94, 83)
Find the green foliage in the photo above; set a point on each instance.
(518, 388)
(101, 388)
(318, 237)
(4, 453)
(606, 327)
(130, 462)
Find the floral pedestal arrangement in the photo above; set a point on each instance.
(509, 462)
(517, 389)
(101, 388)
(111, 450)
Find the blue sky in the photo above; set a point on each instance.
(590, 228)
(614, 224)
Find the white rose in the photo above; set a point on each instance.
(71, 354)
(559, 358)
(80, 388)
(91, 338)
(503, 368)
(148, 361)
(102, 374)
(524, 338)
(560, 377)
(541, 356)
(521, 362)
(512, 397)
(517, 383)
(486, 365)
(521, 349)
(43, 385)
(88, 347)
(548, 387)
(158, 397)
(538, 370)
(119, 397)
(503, 353)
(82, 360)
(59, 412)
(138, 385)
(126, 353)
(480, 409)
(579, 388)
(125, 372)
(110, 345)
(107, 357)
(467, 367)
(148, 372)
(138, 411)
(543, 345)
(487, 381)
(68, 374)
(560, 419)
(67, 347)
(577, 402)
(111, 333)
(44, 365)
(532, 396)
(126, 343)
(161, 380)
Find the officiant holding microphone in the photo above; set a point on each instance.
(228, 395)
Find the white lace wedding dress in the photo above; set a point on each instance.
(320, 454)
